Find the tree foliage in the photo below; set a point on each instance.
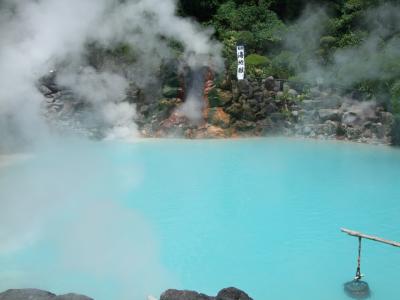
(264, 26)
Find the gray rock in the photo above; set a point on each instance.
(333, 101)
(35, 294)
(286, 87)
(232, 293)
(367, 125)
(144, 109)
(329, 128)
(259, 97)
(315, 92)
(311, 104)
(269, 83)
(329, 114)
(271, 108)
(72, 296)
(351, 118)
(293, 93)
(307, 130)
(245, 88)
(278, 86)
(26, 294)
(243, 125)
(252, 102)
(353, 133)
(45, 90)
(379, 130)
(183, 295)
(386, 117)
(367, 134)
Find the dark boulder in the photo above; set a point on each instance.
(24, 294)
(35, 294)
(245, 88)
(72, 296)
(269, 83)
(184, 295)
(329, 114)
(232, 293)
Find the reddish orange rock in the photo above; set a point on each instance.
(218, 117)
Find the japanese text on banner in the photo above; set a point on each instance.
(241, 63)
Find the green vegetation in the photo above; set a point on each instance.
(258, 66)
(351, 44)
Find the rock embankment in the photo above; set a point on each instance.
(35, 294)
(273, 107)
(232, 109)
(230, 293)
(65, 111)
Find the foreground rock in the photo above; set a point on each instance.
(230, 293)
(35, 294)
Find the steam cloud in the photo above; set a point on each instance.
(42, 35)
(77, 228)
(38, 36)
(369, 60)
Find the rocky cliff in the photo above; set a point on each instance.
(233, 109)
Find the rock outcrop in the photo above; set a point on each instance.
(35, 294)
(230, 293)
(183, 295)
(232, 108)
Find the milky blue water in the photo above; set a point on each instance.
(259, 214)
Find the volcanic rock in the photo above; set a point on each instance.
(329, 114)
(217, 116)
(35, 294)
(183, 295)
(232, 293)
(269, 83)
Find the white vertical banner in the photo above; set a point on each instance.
(241, 64)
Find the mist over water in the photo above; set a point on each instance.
(64, 228)
(112, 221)
(60, 203)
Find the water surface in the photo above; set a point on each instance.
(260, 214)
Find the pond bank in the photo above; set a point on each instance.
(230, 109)
(225, 294)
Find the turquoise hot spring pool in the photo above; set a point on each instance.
(125, 220)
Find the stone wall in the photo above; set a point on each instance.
(274, 107)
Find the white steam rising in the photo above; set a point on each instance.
(40, 35)
(373, 58)
(65, 228)
(39, 208)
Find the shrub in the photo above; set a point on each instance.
(257, 60)
(257, 66)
